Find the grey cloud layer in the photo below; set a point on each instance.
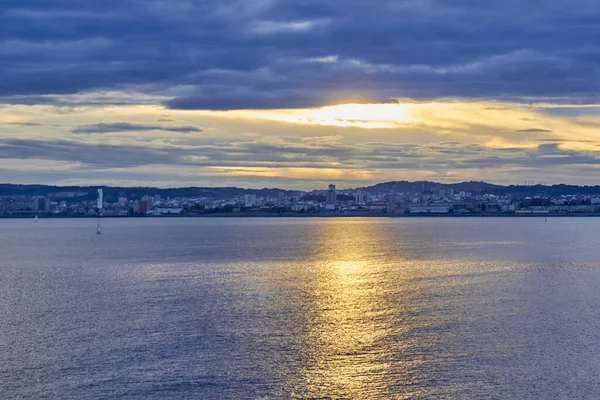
(127, 127)
(439, 158)
(224, 54)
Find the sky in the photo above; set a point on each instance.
(298, 94)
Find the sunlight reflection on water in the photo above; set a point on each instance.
(303, 308)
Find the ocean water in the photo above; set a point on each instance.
(278, 308)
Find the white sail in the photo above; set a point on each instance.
(98, 228)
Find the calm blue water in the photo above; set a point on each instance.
(300, 308)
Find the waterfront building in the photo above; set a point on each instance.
(429, 209)
(377, 205)
(331, 198)
(100, 200)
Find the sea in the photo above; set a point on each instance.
(300, 308)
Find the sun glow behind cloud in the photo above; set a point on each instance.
(498, 125)
(368, 116)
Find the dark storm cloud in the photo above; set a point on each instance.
(127, 127)
(279, 53)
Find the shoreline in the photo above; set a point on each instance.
(270, 215)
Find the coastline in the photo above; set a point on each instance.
(292, 215)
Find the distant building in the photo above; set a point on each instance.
(135, 207)
(100, 200)
(143, 207)
(446, 192)
(301, 207)
(168, 210)
(249, 200)
(41, 204)
(377, 205)
(361, 197)
(331, 197)
(508, 208)
(390, 206)
(429, 209)
(281, 198)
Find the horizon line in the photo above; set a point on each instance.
(294, 190)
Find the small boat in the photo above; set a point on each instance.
(35, 219)
(98, 228)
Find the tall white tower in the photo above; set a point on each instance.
(100, 201)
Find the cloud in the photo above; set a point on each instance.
(23, 123)
(249, 152)
(281, 27)
(281, 54)
(534, 130)
(543, 157)
(86, 154)
(128, 127)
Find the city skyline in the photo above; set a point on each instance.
(278, 94)
(387, 198)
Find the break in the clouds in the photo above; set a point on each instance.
(235, 54)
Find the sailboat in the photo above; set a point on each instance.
(35, 219)
(98, 228)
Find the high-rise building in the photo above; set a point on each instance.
(41, 204)
(361, 197)
(100, 200)
(249, 200)
(331, 197)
